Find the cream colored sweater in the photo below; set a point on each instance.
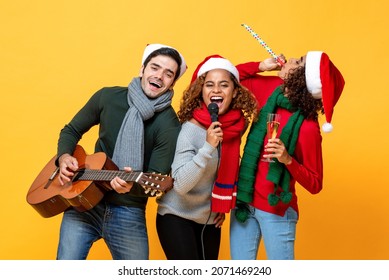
(193, 169)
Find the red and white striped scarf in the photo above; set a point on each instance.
(233, 125)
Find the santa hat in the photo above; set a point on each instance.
(153, 47)
(214, 62)
(323, 81)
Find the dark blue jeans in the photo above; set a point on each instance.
(122, 228)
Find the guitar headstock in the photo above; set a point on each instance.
(155, 184)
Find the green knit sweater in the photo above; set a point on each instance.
(107, 108)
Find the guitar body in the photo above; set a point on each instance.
(49, 198)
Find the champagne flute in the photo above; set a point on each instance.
(272, 123)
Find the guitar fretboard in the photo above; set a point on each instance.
(107, 175)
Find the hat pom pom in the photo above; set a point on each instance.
(327, 127)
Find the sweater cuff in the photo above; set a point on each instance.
(207, 148)
(293, 166)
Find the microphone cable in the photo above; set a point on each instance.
(210, 211)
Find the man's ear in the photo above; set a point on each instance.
(141, 71)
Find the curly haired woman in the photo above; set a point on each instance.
(266, 201)
(206, 162)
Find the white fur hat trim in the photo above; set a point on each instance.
(312, 73)
(218, 63)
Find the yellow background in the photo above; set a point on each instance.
(55, 54)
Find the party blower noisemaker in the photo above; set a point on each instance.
(263, 44)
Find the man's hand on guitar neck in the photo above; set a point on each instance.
(67, 166)
(121, 186)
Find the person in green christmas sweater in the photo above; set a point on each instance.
(138, 129)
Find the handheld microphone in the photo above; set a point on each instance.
(213, 110)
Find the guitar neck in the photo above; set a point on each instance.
(106, 175)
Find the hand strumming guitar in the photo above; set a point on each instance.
(67, 166)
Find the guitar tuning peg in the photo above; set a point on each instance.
(153, 192)
(147, 190)
(159, 194)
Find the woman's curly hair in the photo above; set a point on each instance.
(296, 90)
(192, 99)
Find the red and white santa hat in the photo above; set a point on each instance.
(323, 81)
(153, 47)
(215, 62)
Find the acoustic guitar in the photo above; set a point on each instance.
(88, 186)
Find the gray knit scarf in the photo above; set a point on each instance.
(129, 147)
